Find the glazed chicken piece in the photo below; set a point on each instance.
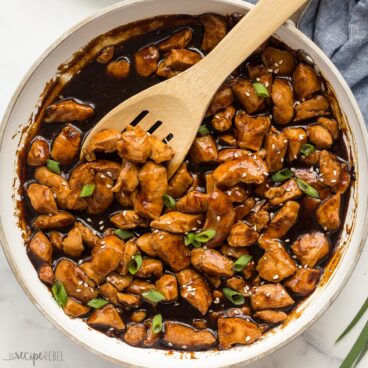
(276, 145)
(128, 177)
(69, 110)
(244, 209)
(281, 62)
(181, 336)
(128, 219)
(106, 318)
(296, 138)
(109, 292)
(284, 219)
(319, 136)
(146, 60)
(161, 152)
(304, 281)
(75, 309)
(102, 196)
(330, 168)
(233, 331)
(288, 190)
(271, 316)
(42, 198)
(310, 248)
(46, 274)
(41, 248)
(311, 160)
(233, 252)
(144, 243)
(104, 141)
(222, 99)
(150, 267)
(106, 55)
(128, 300)
(178, 222)
(246, 94)
(305, 81)
(59, 220)
(343, 185)
(129, 250)
(118, 69)
(331, 126)
(314, 179)
(227, 139)
(39, 152)
(194, 289)
(223, 120)
(73, 243)
(193, 202)
(270, 296)
(153, 180)
(106, 167)
(250, 131)
(181, 59)
(283, 101)
(203, 149)
(179, 40)
(138, 316)
(260, 74)
(171, 249)
(120, 282)
(215, 29)
(328, 212)
(180, 182)
(220, 217)
(66, 145)
(315, 106)
(139, 286)
(56, 239)
(211, 262)
(135, 334)
(237, 194)
(230, 154)
(242, 235)
(168, 287)
(259, 219)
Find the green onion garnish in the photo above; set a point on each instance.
(307, 189)
(135, 264)
(97, 303)
(59, 293)
(241, 262)
(53, 166)
(124, 234)
(87, 190)
(282, 175)
(235, 297)
(157, 323)
(153, 296)
(169, 201)
(261, 90)
(306, 149)
(203, 130)
(198, 239)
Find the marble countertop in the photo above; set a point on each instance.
(27, 28)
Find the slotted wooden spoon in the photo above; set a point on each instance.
(180, 103)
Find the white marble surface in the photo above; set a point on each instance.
(27, 27)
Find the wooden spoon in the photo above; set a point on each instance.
(180, 103)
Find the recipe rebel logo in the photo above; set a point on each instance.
(34, 357)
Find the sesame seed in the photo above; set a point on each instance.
(217, 300)
(258, 79)
(103, 176)
(109, 186)
(281, 61)
(101, 222)
(247, 338)
(276, 71)
(247, 94)
(275, 277)
(78, 290)
(267, 84)
(218, 218)
(109, 173)
(287, 240)
(294, 256)
(270, 70)
(101, 227)
(89, 220)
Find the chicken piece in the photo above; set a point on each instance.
(42, 199)
(233, 252)
(237, 194)
(242, 235)
(310, 248)
(319, 136)
(66, 145)
(102, 196)
(120, 282)
(139, 286)
(244, 209)
(328, 213)
(221, 100)
(260, 74)
(106, 167)
(75, 309)
(106, 54)
(39, 152)
(203, 150)
(181, 336)
(276, 145)
(56, 240)
(75, 281)
(220, 217)
(161, 152)
(304, 281)
(178, 222)
(109, 292)
(180, 182)
(210, 183)
(181, 59)
(296, 138)
(270, 316)
(281, 62)
(315, 106)
(144, 243)
(179, 40)
(275, 265)
(130, 249)
(230, 154)
(135, 334)
(331, 125)
(126, 199)
(59, 220)
(153, 180)
(270, 296)
(128, 178)
(104, 141)
(215, 29)
(246, 94)
(288, 190)
(106, 318)
(69, 110)
(211, 262)
(233, 331)
(305, 81)
(228, 140)
(146, 60)
(168, 287)
(238, 284)
(200, 323)
(283, 101)
(89, 236)
(129, 300)
(73, 243)
(138, 316)
(343, 185)
(118, 69)
(127, 219)
(171, 249)
(164, 71)
(223, 120)
(194, 289)
(311, 160)
(193, 202)
(330, 168)
(46, 274)
(248, 169)
(41, 248)
(150, 267)
(134, 145)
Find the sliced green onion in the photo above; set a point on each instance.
(203, 130)
(135, 264)
(189, 238)
(306, 149)
(169, 201)
(157, 323)
(282, 175)
(307, 189)
(124, 234)
(241, 262)
(198, 239)
(87, 190)
(261, 90)
(53, 166)
(97, 303)
(153, 296)
(362, 353)
(59, 293)
(235, 297)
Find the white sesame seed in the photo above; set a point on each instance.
(78, 290)
(275, 277)
(89, 220)
(287, 240)
(270, 70)
(281, 61)
(267, 84)
(276, 64)
(258, 79)
(218, 218)
(294, 256)
(247, 94)
(103, 176)
(276, 71)
(217, 300)
(109, 186)
(101, 222)
(109, 173)
(247, 338)
(101, 227)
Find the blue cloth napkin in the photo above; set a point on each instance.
(340, 29)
